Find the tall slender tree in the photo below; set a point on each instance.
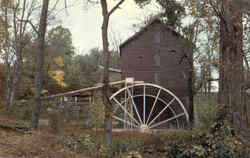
(105, 91)
(40, 62)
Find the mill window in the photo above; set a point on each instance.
(157, 78)
(140, 59)
(157, 60)
(157, 37)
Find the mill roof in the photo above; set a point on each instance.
(145, 28)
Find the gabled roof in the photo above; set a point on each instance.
(145, 28)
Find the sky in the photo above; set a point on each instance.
(85, 20)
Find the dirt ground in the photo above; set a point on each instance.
(31, 144)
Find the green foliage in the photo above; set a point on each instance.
(59, 55)
(59, 40)
(173, 150)
(172, 11)
(27, 113)
(206, 145)
(84, 143)
(125, 147)
(97, 113)
(216, 143)
(84, 68)
(54, 122)
(205, 109)
(93, 146)
(23, 110)
(220, 142)
(142, 2)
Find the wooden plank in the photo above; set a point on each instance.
(89, 89)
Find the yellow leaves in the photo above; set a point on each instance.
(58, 75)
(59, 61)
(44, 91)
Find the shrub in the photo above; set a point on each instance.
(219, 142)
(122, 147)
(205, 110)
(55, 122)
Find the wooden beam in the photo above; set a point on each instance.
(89, 89)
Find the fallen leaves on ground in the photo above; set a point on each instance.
(32, 144)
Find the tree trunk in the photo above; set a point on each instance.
(14, 82)
(8, 82)
(19, 43)
(209, 73)
(231, 64)
(105, 90)
(40, 63)
(17, 76)
(191, 93)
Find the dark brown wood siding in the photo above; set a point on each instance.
(137, 57)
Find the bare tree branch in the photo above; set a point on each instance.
(31, 24)
(246, 61)
(22, 17)
(30, 11)
(115, 7)
(54, 7)
(218, 13)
